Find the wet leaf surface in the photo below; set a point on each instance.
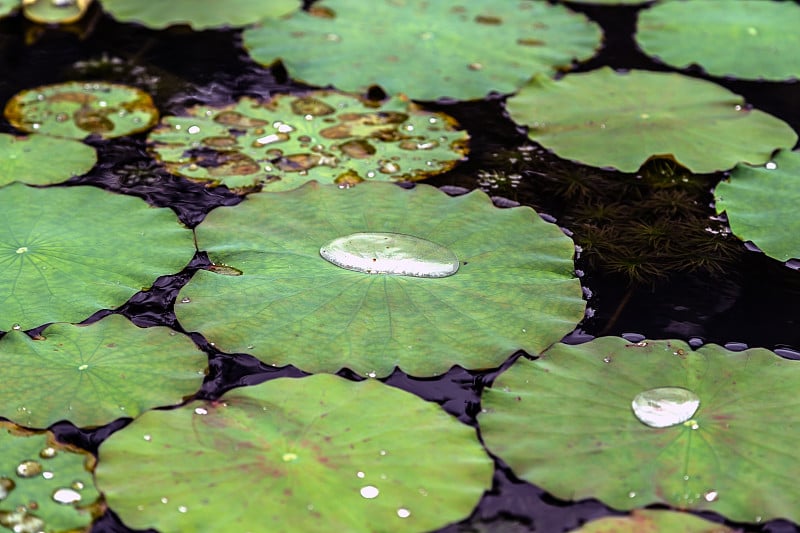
(30, 159)
(701, 125)
(328, 136)
(297, 454)
(76, 110)
(566, 422)
(44, 485)
(200, 15)
(515, 288)
(426, 50)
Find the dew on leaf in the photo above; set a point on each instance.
(403, 512)
(369, 492)
(665, 406)
(391, 253)
(29, 469)
(66, 496)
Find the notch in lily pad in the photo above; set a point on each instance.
(77, 109)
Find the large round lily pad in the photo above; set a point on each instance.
(55, 11)
(761, 204)
(68, 252)
(425, 49)
(650, 521)
(77, 109)
(92, 375)
(515, 287)
(200, 15)
(566, 422)
(322, 135)
(313, 454)
(641, 114)
(44, 485)
(743, 38)
(30, 159)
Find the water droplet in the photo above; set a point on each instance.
(371, 374)
(360, 475)
(388, 167)
(607, 359)
(182, 509)
(165, 500)
(269, 139)
(186, 300)
(6, 486)
(193, 129)
(148, 438)
(22, 249)
(288, 457)
(631, 494)
(382, 452)
(692, 424)
(333, 37)
(391, 253)
(771, 165)
(66, 496)
(48, 453)
(752, 31)
(369, 492)
(403, 512)
(47, 475)
(16, 327)
(200, 411)
(711, 496)
(83, 367)
(665, 406)
(77, 485)
(29, 469)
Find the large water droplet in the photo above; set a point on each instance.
(396, 254)
(369, 492)
(66, 496)
(665, 406)
(29, 469)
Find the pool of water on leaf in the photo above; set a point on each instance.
(749, 301)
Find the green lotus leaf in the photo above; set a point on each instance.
(647, 521)
(515, 287)
(55, 11)
(579, 422)
(742, 38)
(30, 159)
(8, 6)
(323, 135)
(44, 485)
(200, 15)
(77, 109)
(761, 204)
(104, 371)
(314, 454)
(699, 124)
(68, 252)
(425, 49)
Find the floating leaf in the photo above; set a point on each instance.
(322, 135)
(55, 11)
(44, 485)
(567, 423)
(761, 204)
(8, 6)
(647, 521)
(92, 375)
(641, 114)
(425, 49)
(743, 38)
(77, 109)
(311, 454)
(199, 16)
(68, 252)
(30, 159)
(515, 287)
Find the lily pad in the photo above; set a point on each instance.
(77, 109)
(322, 135)
(30, 159)
(567, 423)
(44, 485)
(761, 204)
(425, 49)
(68, 252)
(55, 11)
(515, 287)
(699, 124)
(647, 521)
(92, 375)
(311, 454)
(200, 15)
(8, 6)
(749, 39)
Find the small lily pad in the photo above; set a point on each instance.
(67, 252)
(44, 485)
(761, 204)
(323, 135)
(514, 289)
(314, 454)
(77, 109)
(749, 39)
(699, 124)
(425, 49)
(92, 375)
(648, 521)
(566, 423)
(198, 15)
(55, 11)
(30, 159)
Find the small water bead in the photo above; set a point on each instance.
(48, 453)
(395, 254)
(193, 129)
(403, 512)
(28, 469)
(663, 407)
(22, 249)
(711, 496)
(369, 492)
(182, 509)
(16, 327)
(360, 475)
(771, 165)
(200, 411)
(66, 496)
(47, 475)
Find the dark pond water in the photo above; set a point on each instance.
(695, 283)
